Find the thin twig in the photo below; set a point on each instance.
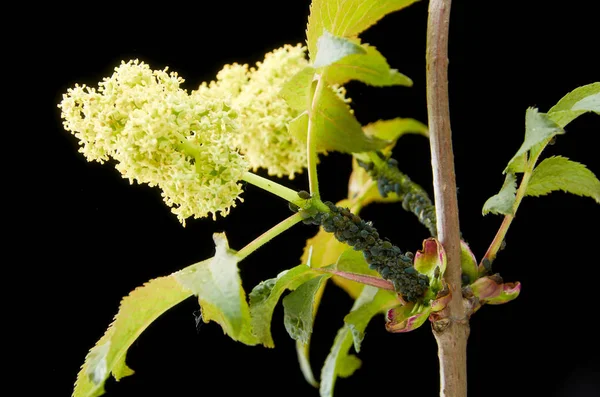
(452, 331)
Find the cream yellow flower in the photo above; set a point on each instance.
(263, 136)
(160, 135)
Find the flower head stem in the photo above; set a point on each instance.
(269, 235)
(273, 187)
(311, 144)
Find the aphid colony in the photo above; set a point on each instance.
(414, 198)
(381, 255)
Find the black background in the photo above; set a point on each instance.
(91, 237)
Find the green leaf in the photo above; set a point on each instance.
(346, 18)
(392, 130)
(538, 128)
(468, 263)
(581, 100)
(303, 349)
(217, 284)
(296, 91)
(560, 173)
(332, 49)
(136, 312)
(339, 362)
(359, 318)
(502, 203)
(264, 298)
(370, 67)
(336, 128)
(298, 308)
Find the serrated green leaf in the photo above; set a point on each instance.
(217, 284)
(560, 173)
(332, 49)
(360, 318)
(581, 100)
(296, 91)
(538, 128)
(136, 312)
(369, 67)
(392, 130)
(264, 298)
(336, 128)
(303, 349)
(298, 308)
(502, 203)
(346, 18)
(337, 362)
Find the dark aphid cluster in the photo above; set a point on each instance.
(414, 198)
(381, 255)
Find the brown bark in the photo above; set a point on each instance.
(452, 329)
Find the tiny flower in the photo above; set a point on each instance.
(160, 135)
(264, 115)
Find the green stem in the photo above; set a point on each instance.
(269, 235)
(494, 247)
(311, 144)
(273, 187)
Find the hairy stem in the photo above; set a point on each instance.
(269, 235)
(273, 187)
(451, 332)
(311, 143)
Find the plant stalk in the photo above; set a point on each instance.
(311, 144)
(273, 187)
(452, 331)
(269, 235)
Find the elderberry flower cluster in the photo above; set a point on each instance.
(264, 115)
(160, 135)
(414, 198)
(381, 255)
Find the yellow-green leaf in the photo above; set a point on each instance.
(502, 203)
(264, 298)
(296, 91)
(346, 18)
(339, 362)
(369, 67)
(538, 128)
(560, 173)
(218, 286)
(332, 49)
(581, 100)
(136, 312)
(298, 309)
(303, 349)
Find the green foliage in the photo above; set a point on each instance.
(222, 299)
(503, 202)
(369, 67)
(264, 298)
(560, 173)
(538, 128)
(332, 49)
(136, 312)
(346, 18)
(468, 262)
(358, 319)
(297, 92)
(581, 100)
(340, 362)
(392, 130)
(336, 127)
(299, 307)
